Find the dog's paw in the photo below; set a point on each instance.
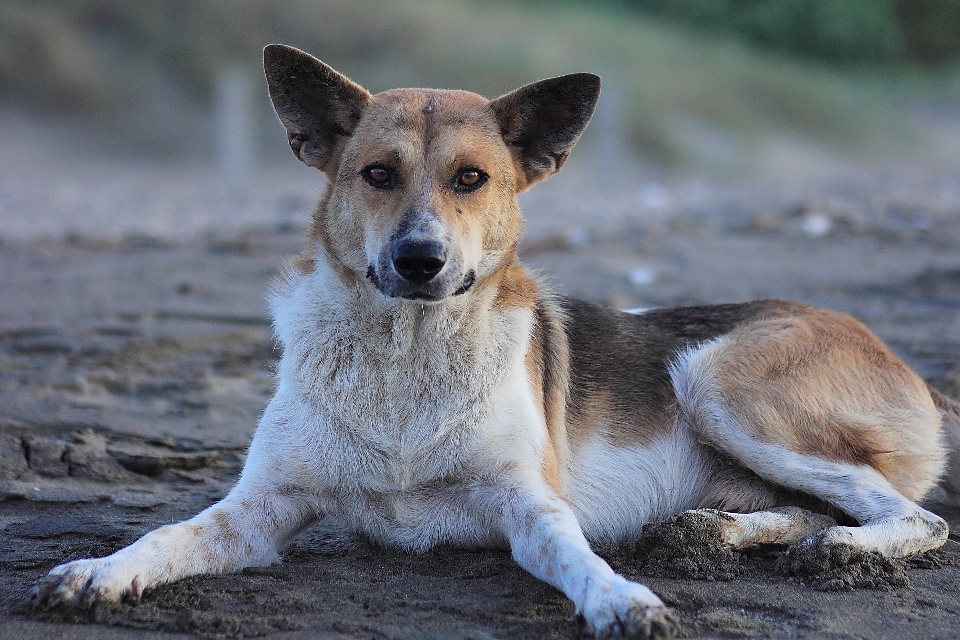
(823, 551)
(624, 609)
(82, 583)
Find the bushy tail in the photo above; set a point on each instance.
(951, 437)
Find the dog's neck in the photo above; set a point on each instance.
(412, 324)
(350, 300)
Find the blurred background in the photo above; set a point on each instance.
(151, 119)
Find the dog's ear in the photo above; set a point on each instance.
(542, 121)
(318, 106)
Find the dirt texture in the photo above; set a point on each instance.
(684, 546)
(134, 364)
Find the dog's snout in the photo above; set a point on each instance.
(418, 261)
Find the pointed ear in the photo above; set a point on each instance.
(318, 106)
(542, 121)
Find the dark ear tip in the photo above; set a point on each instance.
(272, 50)
(589, 78)
(585, 85)
(273, 53)
(589, 81)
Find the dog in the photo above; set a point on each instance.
(431, 390)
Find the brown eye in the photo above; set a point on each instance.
(470, 179)
(379, 176)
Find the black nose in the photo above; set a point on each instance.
(418, 262)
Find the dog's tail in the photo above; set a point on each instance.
(950, 410)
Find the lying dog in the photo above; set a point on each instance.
(430, 391)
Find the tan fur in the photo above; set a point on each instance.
(458, 131)
(515, 288)
(548, 364)
(738, 490)
(817, 382)
(550, 464)
(533, 361)
(225, 530)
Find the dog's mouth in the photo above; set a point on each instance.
(468, 281)
(431, 291)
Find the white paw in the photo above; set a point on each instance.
(623, 609)
(83, 582)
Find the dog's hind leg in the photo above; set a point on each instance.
(889, 522)
(827, 430)
(778, 526)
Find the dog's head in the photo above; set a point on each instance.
(423, 182)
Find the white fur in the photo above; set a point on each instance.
(616, 490)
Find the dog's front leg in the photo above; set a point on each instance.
(245, 529)
(546, 540)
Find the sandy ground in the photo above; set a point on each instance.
(135, 357)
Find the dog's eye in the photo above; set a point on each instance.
(470, 179)
(379, 176)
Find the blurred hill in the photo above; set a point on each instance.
(841, 31)
(685, 84)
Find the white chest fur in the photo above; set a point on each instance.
(389, 408)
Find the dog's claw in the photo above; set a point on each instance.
(665, 627)
(55, 589)
(81, 583)
(655, 623)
